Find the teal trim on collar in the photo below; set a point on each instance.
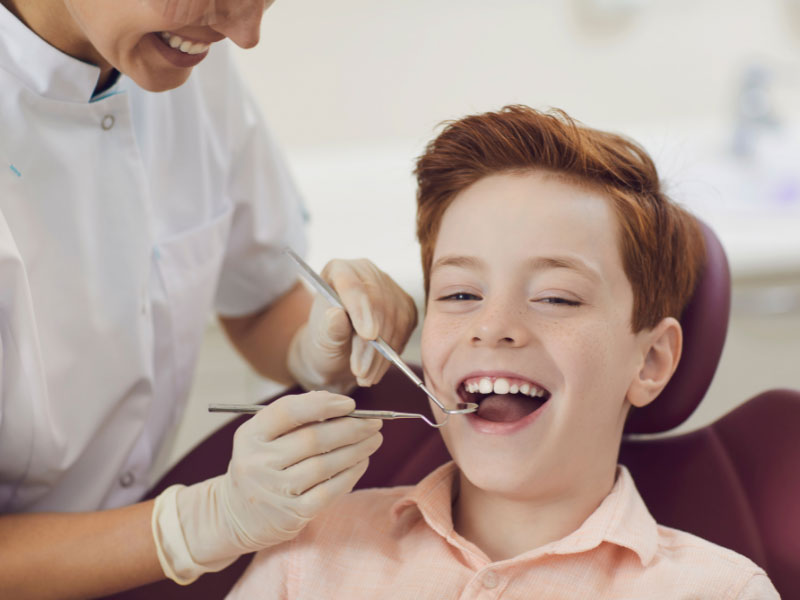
(105, 95)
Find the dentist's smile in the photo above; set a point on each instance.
(186, 46)
(180, 52)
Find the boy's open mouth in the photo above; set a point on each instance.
(503, 399)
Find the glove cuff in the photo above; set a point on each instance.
(173, 552)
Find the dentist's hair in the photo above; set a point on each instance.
(661, 244)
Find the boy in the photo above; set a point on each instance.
(555, 271)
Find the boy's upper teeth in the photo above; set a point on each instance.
(185, 46)
(502, 385)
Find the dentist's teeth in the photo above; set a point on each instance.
(513, 389)
(501, 386)
(525, 388)
(485, 386)
(185, 46)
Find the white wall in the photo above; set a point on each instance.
(332, 72)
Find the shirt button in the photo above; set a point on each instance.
(108, 122)
(490, 580)
(127, 479)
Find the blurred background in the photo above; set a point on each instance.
(354, 89)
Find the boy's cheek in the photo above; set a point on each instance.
(433, 341)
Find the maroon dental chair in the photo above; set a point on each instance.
(735, 482)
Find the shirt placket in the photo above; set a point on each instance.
(488, 583)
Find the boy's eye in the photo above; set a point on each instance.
(459, 296)
(559, 301)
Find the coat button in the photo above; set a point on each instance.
(127, 479)
(108, 122)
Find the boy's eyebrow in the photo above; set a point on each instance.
(465, 262)
(539, 263)
(542, 263)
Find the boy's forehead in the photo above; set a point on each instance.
(531, 211)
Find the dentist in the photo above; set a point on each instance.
(135, 200)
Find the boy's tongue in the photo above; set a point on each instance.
(507, 407)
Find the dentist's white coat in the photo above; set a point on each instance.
(124, 222)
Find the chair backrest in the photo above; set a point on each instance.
(705, 324)
(735, 482)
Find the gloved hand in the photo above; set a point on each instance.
(330, 350)
(290, 461)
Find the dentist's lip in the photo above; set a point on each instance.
(216, 37)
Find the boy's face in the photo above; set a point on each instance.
(528, 292)
(135, 35)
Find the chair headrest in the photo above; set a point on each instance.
(705, 324)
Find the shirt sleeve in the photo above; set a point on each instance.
(759, 587)
(268, 213)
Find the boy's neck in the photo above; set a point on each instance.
(506, 527)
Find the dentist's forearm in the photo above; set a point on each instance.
(77, 555)
(263, 338)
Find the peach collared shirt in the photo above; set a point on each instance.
(399, 543)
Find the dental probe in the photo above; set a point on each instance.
(327, 292)
(358, 414)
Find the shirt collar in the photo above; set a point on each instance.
(433, 499)
(622, 517)
(41, 67)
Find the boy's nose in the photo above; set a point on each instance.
(499, 325)
(241, 23)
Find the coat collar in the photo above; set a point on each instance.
(42, 68)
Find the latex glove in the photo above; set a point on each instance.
(290, 461)
(331, 350)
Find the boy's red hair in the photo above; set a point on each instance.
(661, 244)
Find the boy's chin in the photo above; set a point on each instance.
(505, 480)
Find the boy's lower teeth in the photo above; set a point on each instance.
(507, 408)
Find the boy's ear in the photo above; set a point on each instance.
(661, 350)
